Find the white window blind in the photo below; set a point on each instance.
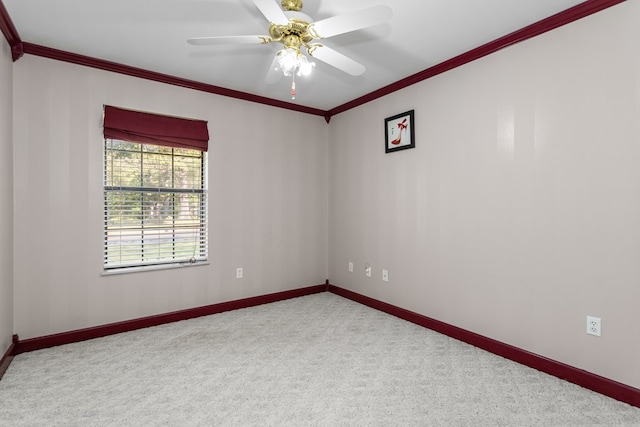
(155, 205)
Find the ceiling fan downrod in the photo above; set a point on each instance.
(294, 5)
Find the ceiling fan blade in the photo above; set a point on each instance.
(338, 60)
(202, 41)
(274, 74)
(351, 21)
(272, 11)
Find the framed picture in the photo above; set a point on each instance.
(399, 132)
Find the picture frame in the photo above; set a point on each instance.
(399, 132)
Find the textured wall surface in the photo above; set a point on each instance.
(267, 200)
(516, 215)
(6, 197)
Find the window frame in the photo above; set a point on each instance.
(200, 256)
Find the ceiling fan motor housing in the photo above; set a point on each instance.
(297, 29)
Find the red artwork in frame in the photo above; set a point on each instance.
(399, 132)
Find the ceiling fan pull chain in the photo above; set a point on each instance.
(293, 86)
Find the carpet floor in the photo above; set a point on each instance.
(318, 360)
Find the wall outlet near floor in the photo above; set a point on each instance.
(385, 275)
(594, 326)
(239, 273)
(367, 270)
(350, 267)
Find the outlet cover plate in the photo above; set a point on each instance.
(594, 326)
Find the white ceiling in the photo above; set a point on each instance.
(151, 34)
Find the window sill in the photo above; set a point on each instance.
(127, 270)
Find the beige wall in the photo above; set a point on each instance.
(267, 207)
(6, 198)
(518, 214)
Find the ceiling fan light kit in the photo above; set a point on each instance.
(295, 30)
(289, 60)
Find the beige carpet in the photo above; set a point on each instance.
(319, 360)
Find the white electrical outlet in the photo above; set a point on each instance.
(350, 267)
(385, 275)
(239, 273)
(594, 326)
(367, 270)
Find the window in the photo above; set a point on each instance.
(155, 195)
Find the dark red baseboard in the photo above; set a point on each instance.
(38, 343)
(5, 360)
(569, 373)
(605, 386)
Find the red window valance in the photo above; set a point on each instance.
(148, 128)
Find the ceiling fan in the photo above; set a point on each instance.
(296, 30)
